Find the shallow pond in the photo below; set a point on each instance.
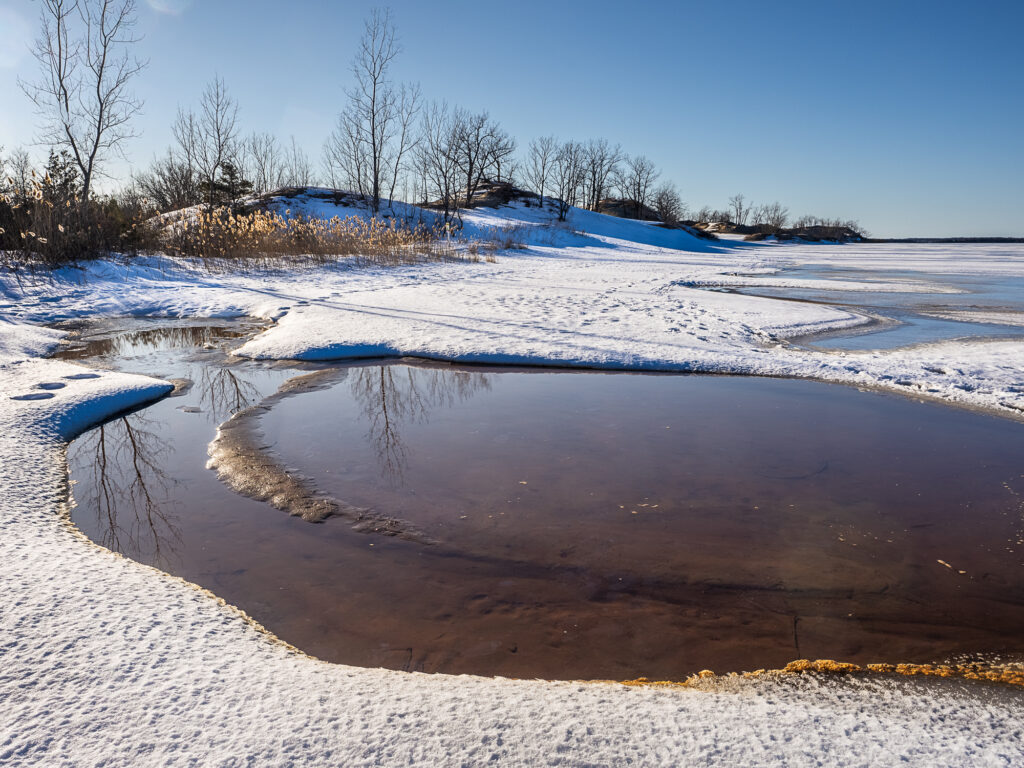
(568, 525)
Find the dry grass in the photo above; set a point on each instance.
(265, 238)
(43, 227)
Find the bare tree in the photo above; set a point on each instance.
(346, 157)
(499, 154)
(19, 173)
(218, 132)
(407, 107)
(740, 209)
(208, 140)
(539, 159)
(297, 170)
(437, 156)
(457, 151)
(568, 175)
(600, 161)
(169, 184)
(264, 167)
(837, 228)
(83, 96)
(372, 101)
(668, 204)
(372, 140)
(635, 177)
(473, 135)
(185, 130)
(772, 215)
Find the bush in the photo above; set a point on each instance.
(44, 222)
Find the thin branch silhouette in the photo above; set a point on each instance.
(390, 400)
(129, 490)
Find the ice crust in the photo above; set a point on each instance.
(105, 661)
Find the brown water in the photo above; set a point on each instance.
(585, 525)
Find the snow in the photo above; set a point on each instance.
(981, 316)
(1005, 259)
(864, 286)
(105, 661)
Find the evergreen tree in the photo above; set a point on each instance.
(62, 180)
(228, 187)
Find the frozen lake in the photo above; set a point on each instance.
(984, 306)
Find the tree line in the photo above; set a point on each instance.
(388, 143)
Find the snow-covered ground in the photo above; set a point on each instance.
(104, 661)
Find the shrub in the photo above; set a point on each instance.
(44, 222)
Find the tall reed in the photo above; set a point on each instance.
(268, 238)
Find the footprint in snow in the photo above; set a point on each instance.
(51, 385)
(79, 376)
(33, 396)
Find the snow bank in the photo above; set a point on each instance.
(59, 399)
(109, 662)
(19, 341)
(992, 317)
(104, 661)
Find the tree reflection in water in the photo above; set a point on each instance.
(122, 343)
(222, 393)
(129, 490)
(394, 395)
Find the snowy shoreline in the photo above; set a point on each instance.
(105, 660)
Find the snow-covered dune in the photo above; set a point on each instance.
(104, 661)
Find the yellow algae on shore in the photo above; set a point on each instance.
(1008, 674)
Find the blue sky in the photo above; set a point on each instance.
(907, 116)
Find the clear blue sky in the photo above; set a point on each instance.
(907, 116)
